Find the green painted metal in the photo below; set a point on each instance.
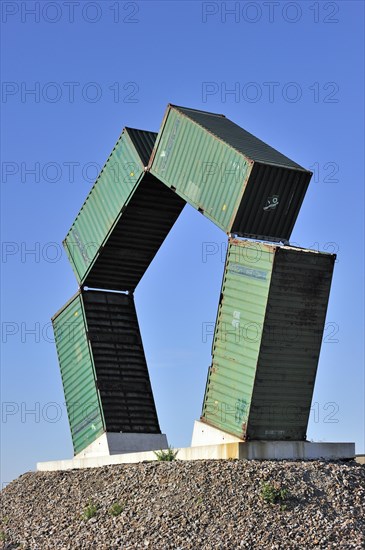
(103, 367)
(204, 171)
(151, 212)
(273, 299)
(78, 374)
(267, 340)
(237, 337)
(104, 204)
(239, 182)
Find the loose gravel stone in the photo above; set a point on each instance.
(182, 505)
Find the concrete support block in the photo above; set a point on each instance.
(111, 443)
(203, 434)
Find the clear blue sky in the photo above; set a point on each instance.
(296, 70)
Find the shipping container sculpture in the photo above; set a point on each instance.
(103, 369)
(267, 340)
(243, 185)
(113, 240)
(273, 301)
(104, 244)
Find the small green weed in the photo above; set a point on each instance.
(116, 509)
(166, 456)
(90, 511)
(274, 494)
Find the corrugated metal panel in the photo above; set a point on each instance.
(238, 138)
(103, 367)
(136, 238)
(267, 340)
(237, 336)
(255, 218)
(143, 141)
(103, 205)
(120, 364)
(78, 375)
(212, 163)
(289, 354)
(204, 171)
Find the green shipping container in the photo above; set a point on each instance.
(267, 340)
(103, 244)
(239, 182)
(103, 367)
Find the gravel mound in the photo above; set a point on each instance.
(207, 504)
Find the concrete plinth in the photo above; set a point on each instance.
(111, 443)
(203, 434)
(259, 450)
(295, 450)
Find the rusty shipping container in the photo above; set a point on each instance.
(267, 340)
(239, 182)
(103, 367)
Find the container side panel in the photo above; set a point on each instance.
(82, 402)
(103, 205)
(271, 203)
(238, 138)
(289, 354)
(137, 236)
(120, 364)
(205, 172)
(237, 336)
